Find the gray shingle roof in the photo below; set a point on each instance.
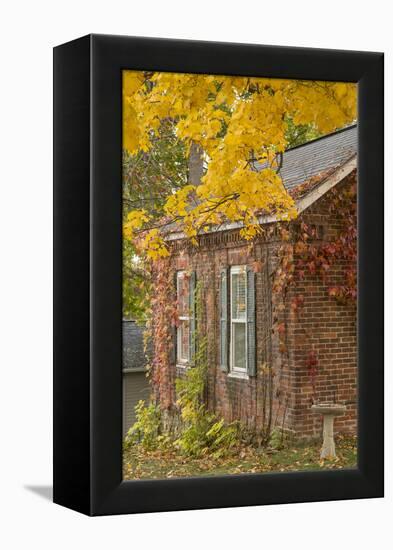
(305, 161)
(302, 162)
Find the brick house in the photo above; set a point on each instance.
(254, 376)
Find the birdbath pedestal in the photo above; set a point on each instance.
(329, 411)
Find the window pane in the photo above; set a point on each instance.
(184, 340)
(182, 294)
(238, 295)
(239, 345)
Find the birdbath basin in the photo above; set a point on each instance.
(329, 411)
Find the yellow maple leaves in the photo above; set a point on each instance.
(236, 121)
(135, 220)
(154, 245)
(176, 204)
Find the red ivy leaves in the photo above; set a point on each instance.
(297, 303)
(164, 318)
(311, 361)
(319, 258)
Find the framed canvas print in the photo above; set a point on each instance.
(218, 275)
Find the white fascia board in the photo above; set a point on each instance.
(327, 185)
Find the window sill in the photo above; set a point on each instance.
(238, 375)
(183, 366)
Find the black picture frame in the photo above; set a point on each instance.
(88, 272)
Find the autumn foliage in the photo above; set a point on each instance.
(238, 125)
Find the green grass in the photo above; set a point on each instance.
(141, 464)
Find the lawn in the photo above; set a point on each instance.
(141, 464)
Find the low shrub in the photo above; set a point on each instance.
(199, 431)
(146, 431)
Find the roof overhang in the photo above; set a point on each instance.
(331, 181)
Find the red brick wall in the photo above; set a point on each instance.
(321, 324)
(329, 328)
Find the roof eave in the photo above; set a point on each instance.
(338, 175)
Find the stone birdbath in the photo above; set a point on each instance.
(329, 411)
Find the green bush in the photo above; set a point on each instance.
(202, 431)
(146, 430)
(279, 439)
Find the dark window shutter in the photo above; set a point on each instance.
(224, 323)
(251, 351)
(192, 305)
(173, 354)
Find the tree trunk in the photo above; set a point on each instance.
(195, 164)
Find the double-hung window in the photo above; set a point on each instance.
(183, 329)
(237, 320)
(238, 329)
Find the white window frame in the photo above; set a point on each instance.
(182, 319)
(236, 270)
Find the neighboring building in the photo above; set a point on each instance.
(135, 383)
(252, 370)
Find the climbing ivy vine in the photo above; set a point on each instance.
(302, 254)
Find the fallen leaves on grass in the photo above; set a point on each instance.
(141, 464)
